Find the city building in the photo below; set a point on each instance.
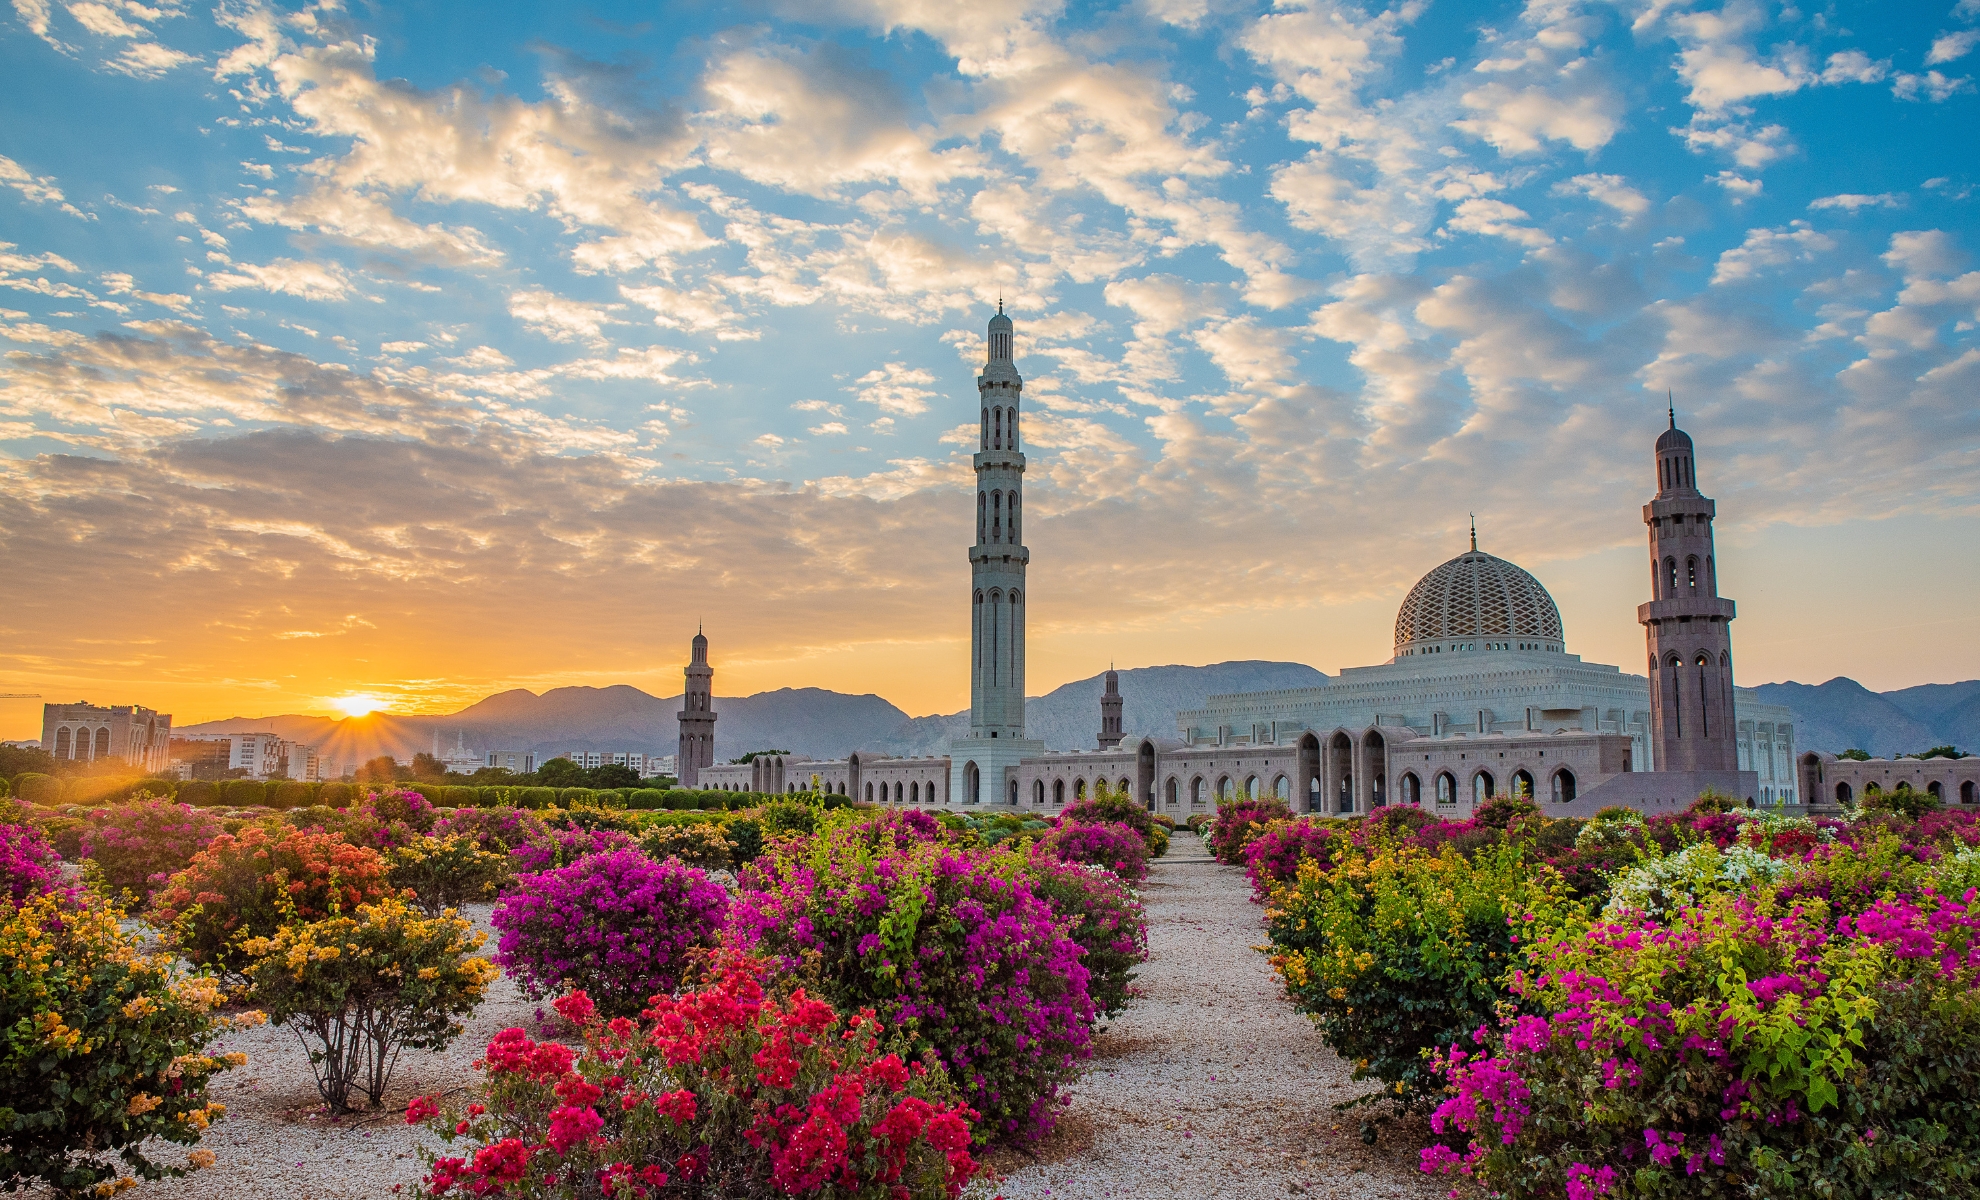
(200, 758)
(644, 765)
(1479, 698)
(83, 732)
(460, 759)
(259, 755)
(520, 762)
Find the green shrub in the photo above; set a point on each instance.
(536, 797)
(290, 793)
(646, 799)
(6, 789)
(1399, 953)
(697, 843)
(336, 795)
(358, 989)
(495, 797)
(430, 792)
(200, 793)
(745, 840)
(250, 884)
(459, 796)
(243, 793)
(574, 797)
(1901, 800)
(38, 789)
(102, 1050)
(447, 872)
(713, 801)
(787, 816)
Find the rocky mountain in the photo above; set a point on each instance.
(811, 721)
(1842, 714)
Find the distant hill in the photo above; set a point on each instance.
(811, 721)
(1842, 714)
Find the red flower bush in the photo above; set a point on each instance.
(725, 1091)
(1119, 848)
(250, 884)
(140, 846)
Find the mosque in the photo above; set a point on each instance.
(1480, 698)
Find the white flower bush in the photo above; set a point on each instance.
(1665, 885)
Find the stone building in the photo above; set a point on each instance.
(83, 732)
(1830, 782)
(1479, 698)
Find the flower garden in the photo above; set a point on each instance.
(787, 996)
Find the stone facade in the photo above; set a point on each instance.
(142, 737)
(697, 715)
(1831, 782)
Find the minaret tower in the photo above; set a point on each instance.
(1687, 623)
(1110, 711)
(697, 717)
(997, 560)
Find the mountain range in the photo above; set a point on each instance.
(1832, 716)
(810, 721)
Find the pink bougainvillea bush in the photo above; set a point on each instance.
(1104, 916)
(616, 924)
(140, 846)
(1119, 848)
(724, 1091)
(1238, 822)
(1747, 1045)
(1273, 857)
(562, 847)
(29, 866)
(497, 829)
(954, 946)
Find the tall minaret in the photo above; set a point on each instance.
(980, 764)
(697, 717)
(1110, 711)
(1687, 623)
(997, 560)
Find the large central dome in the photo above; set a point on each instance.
(1477, 602)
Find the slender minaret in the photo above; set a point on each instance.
(697, 717)
(997, 560)
(1687, 623)
(982, 765)
(1110, 711)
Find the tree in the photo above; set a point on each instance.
(426, 766)
(1855, 755)
(1942, 752)
(22, 760)
(752, 755)
(562, 773)
(614, 775)
(383, 769)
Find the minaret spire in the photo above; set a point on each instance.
(1671, 405)
(1474, 532)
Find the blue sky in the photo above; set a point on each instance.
(344, 344)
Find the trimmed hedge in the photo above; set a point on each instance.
(36, 788)
(200, 793)
(538, 797)
(646, 799)
(432, 793)
(336, 795)
(291, 793)
(458, 796)
(243, 793)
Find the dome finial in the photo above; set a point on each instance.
(1000, 303)
(1672, 404)
(1474, 531)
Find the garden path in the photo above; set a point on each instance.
(1210, 1085)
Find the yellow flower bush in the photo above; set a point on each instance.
(358, 989)
(101, 1049)
(446, 872)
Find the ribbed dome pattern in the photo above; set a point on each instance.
(1477, 595)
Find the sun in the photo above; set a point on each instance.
(358, 706)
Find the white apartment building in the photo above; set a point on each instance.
(644, 765)
(271, 756)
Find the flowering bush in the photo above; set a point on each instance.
(1118, 848)
(722, 1092)
(1665, 885)
(1103, 915)
(1745, 1046)
(102, 1049)
(360, 988)
(1238, 823)
(562, 847)
(1273, 857)
(497, 829)
(400, 806)
(700, 844)
(250, 884)
(29, 867)
(616, 924)
(446, 872)
(1402, 952)
(141, 845)
(952, 945)
(1116, 807)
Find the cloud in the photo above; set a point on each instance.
(562, 319)
(1854, 201)
(1496, 218)
(1737, 186)
(118, 283)
(1612, 190)
(1932, 86)
(896, 388)
(38, 189)
(287, 276)
(1798, 242)
(1951, 47)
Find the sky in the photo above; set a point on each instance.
(424, 350)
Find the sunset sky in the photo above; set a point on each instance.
(419, 351)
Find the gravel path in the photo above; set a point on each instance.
(1210, 1085)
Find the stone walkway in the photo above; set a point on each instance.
(1210, 1085)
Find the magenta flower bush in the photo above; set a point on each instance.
(1119, 848)
(562, 847)
(1273, 857)
(956, 942)
(1748, 1046)
(1104, 916)
(498, 829)
(1239, 821)
(29, 866)
(140, 846)
(616, 924)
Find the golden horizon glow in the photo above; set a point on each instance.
(358, 706)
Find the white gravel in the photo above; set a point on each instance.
(1210, 1085)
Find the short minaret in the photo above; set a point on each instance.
(981, 762)
(1110, 711)
(697, 748)
(1687, 623)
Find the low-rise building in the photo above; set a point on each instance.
(84, 732)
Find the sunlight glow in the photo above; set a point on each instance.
(358, 706)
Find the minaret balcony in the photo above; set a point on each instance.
(1013, 459)
(1695, 608)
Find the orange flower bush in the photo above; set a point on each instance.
(249, 884)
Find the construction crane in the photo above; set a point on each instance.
(20, 695)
